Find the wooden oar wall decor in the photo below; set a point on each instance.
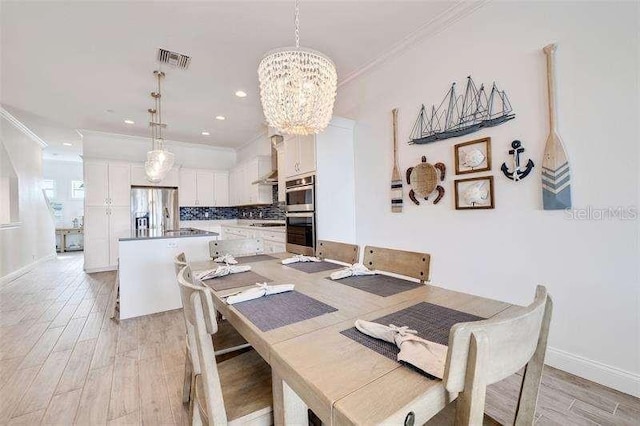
(396, 179)
(556, 174)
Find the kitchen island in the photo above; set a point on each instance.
(146, 272)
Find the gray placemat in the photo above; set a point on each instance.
(381, 285)
(241, 279)
(254, 258)
(313, 267)
(278, 310)
(432, 322)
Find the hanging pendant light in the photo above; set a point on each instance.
(297, 87)
(159, 160)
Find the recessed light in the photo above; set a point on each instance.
(205, 133)
(67, 144)
(241, 94)
(129, 122)
(220, 117)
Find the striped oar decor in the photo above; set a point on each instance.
(396, 179)
(556, 174)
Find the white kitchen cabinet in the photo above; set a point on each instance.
(187, 192)
(205, 187)
(243, 190)
(119, 227)
(221, 190)
(300, 155)
(139, 177)
(107, 212)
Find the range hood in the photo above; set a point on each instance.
(271, 178)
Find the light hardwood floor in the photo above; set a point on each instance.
(63, 361)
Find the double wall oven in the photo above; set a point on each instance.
(301, 215)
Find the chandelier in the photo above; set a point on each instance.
(159, 160)
(297, 87)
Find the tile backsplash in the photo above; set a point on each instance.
(273, 211)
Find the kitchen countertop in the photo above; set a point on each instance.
(181, 233)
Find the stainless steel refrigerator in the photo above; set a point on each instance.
(154, 209)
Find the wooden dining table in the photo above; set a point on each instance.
(343, 382)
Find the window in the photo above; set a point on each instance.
(49, 188)
(77, 189)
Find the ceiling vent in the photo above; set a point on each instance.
(174, 59)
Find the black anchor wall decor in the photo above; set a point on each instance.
(518, 172)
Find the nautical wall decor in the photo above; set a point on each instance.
(556, 175)
(396, 179)
(424, 179)
(518, 173)
(473, 156)
(474, 193)
(461, 115)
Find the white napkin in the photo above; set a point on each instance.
(227, 258)
(221, 271)
(300, 258)
(429, 357)
(354, 270)
(259, 291)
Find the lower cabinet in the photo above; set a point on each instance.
(274, 242)
(104, 226)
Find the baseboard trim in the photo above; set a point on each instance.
(102, 269)
(20, 272)
(615, 378)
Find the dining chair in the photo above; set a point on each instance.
(407, 263)
(238, 247)
(234, 391)
(484, 352)
(342, 252)
(227, 339)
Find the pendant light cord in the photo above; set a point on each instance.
(297, 24)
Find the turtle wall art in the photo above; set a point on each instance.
(423, 180)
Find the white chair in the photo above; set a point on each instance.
(227, 339)
(237, 248)
(484, 352)
(236, 391)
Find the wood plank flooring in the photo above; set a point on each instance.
(63, 361)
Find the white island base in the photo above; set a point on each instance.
(147, 275)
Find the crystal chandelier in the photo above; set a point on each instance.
(297, 87)
(159, 160)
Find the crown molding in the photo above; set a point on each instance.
(21, 127)
(141, 139)
(423, 32)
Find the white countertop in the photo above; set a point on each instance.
(211, 225)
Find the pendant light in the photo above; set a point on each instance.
(297, 87)
(159, 160)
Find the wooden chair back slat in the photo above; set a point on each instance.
(180, 261)
(200, 317)
(407, 263)
(512, 342)
(342, 252)
(240, 247)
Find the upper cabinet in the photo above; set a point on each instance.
(203, 188)
(242, 189)
(139, 177)
(299, 155)
(107, 183)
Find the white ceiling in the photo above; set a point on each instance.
(65, 64)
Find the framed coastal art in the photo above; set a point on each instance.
(473, 156)
(474, 193)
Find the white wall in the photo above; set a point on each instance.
(111, 146)
(63, 172)
(34, 238)
(590, 267)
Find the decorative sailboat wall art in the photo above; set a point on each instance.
(459, 115)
